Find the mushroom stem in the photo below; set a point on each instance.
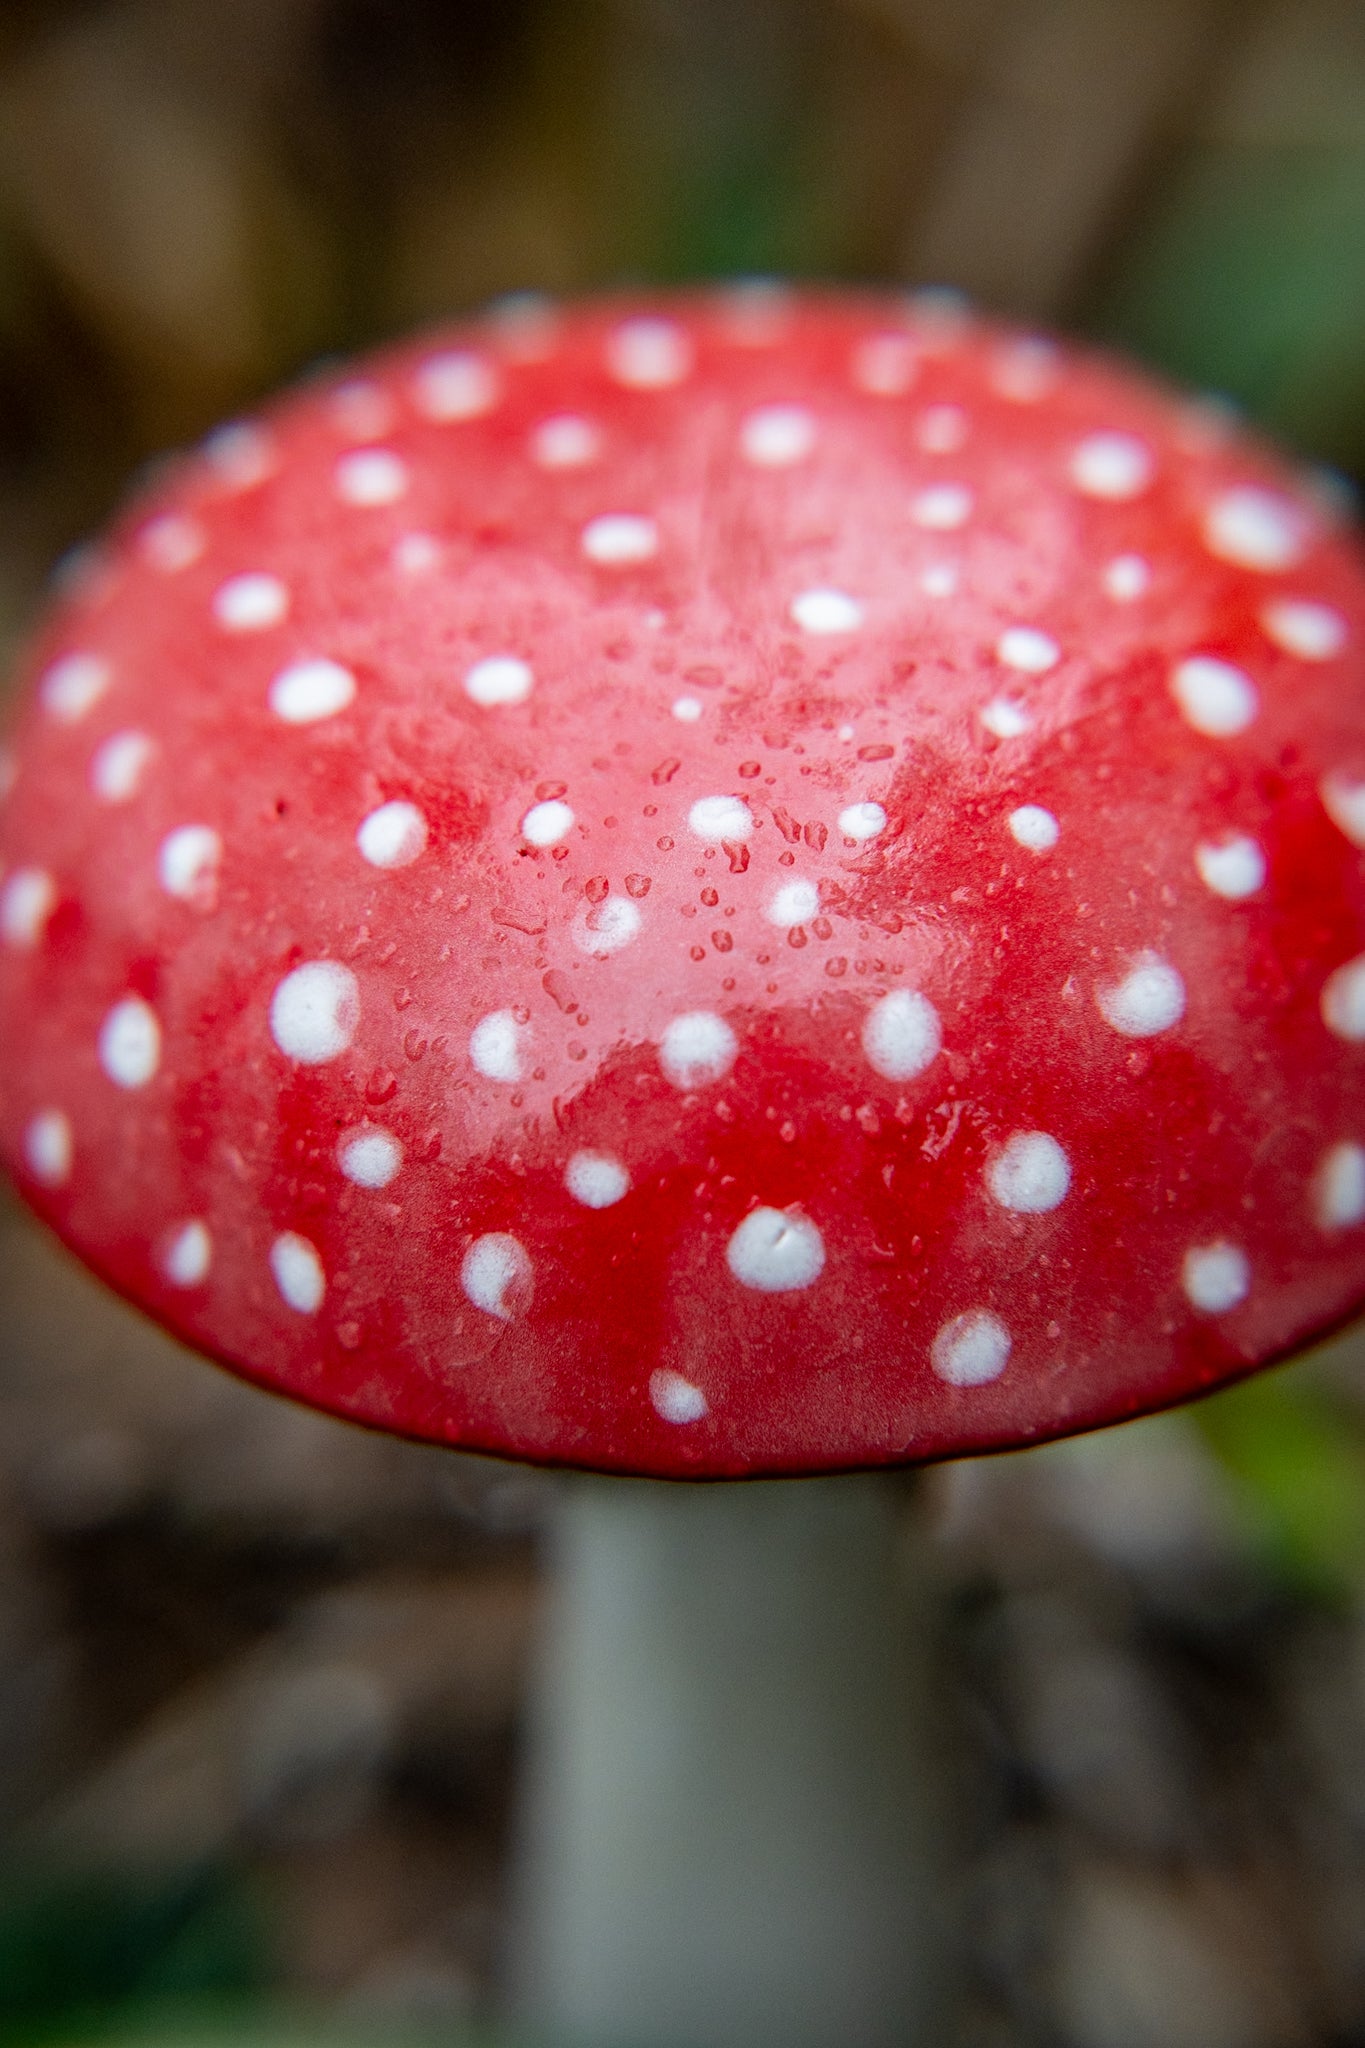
(737, 1788)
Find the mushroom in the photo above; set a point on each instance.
(754, 886)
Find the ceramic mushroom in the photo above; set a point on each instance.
(756, 886)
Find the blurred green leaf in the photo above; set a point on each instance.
(267, 2030)
(254, 2028)
(1296, 1453)
(1250, 278)
(77, 1946)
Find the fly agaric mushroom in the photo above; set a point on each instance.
(757, 886)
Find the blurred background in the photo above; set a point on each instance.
(261, 1676)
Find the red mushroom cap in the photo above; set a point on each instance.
(755, 885)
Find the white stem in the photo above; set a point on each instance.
(736, 1788)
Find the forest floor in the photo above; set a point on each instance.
(261, 1679)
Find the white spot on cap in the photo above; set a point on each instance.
(1232, 868)
(687, 709)
(130, 1043)
(298, 1273)
(1112, 465)
(1035, 828)
(972, 1349)
(1339, 1187)
(775, 1251)
(371, 1158)
(793, 903)
(74, 685)
(455, 385)
(27, 901)
(48, 1147)
(940, 579)
(1215, 1277)
(415, 553)
(777, 435)
(545, 824)
(941, 507)
(499, 679)
(675, 1399)
(187, 864)
(1026, 370)
(1030, 1173)
(251, 602)
(885, 365)
(596, 1179)
(616, 539)
(1215, 697)
(565, 441)
(1006, 718)
(170, 543)
(826, 611)
(241, 454)
(649, 354)
(188, 1255)
(606, 927)
(118, 765)
(496, 1274)
(1255, 529)
(941, 429)
(1149, 999)
(902, 1034)
(1343, 1001)
(862, 821)
(696, 1048)
(1027, 649)
(495, 1046)
(394, 836)
(309, 690)
(314, 1012)
(1304, 628)
(1343, 798)
(717, 818)
(361, 408)
(371, 476)
(1127, 578)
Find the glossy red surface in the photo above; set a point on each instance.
(758, 886)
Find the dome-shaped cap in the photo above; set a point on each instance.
(749, 885)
